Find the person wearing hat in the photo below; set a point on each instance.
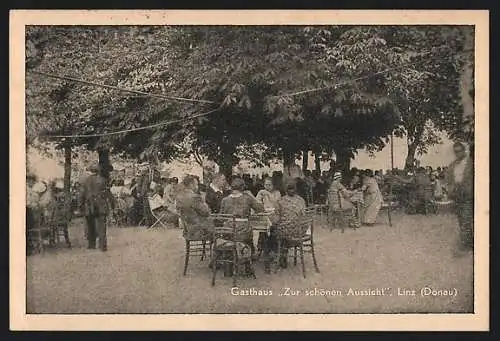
(96, 199)
(340, 208)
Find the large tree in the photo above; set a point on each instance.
(246, 73)
(252, 74)
(423, 82)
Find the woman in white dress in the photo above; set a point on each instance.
(372, 198)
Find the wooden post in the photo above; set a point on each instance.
(104, 162)
(389, 208)
(305, 160)
(67, 180)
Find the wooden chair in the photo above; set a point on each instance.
(59, 222)
(389, 206)
(308, 241)
(119, 213)
(302, 242)
(196, 243)
(261, 224)
(39, 232)
(321, 209)
(225, 246)
(442, 205)
(430, 206)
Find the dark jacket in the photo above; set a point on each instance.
(96, 196)
(194, 214)
(192, 209)
(214, 199)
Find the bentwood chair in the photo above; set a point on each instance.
(227, 251)
(59, 222)
(299, 237)
(196, 242)
(389, 205)
(39, 232)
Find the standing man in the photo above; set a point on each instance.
(215, 192)
(96, 198)
(461, 190)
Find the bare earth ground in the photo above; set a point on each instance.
(142, 273)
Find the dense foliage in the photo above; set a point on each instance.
(252, 74)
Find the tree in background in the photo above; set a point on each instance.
(251, 72)
(425, 91)
(246, 74)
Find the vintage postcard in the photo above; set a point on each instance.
(249, 170)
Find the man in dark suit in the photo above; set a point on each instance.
(97, 199)
(460, 181)
(216, 192)
(193, 211)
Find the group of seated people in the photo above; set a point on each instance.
(45, 208)
(236, 200)
(418, 190)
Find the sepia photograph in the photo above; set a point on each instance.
(253, 169)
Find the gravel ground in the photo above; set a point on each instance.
(142, 273)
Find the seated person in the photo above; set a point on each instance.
(437, 186)
(421, 192)
(343, 208)
(117, 188)
(156, 199)
(193, 211)
(268, 196)
(289, 210)
(160, 208)
(215, 192)
(241, 204)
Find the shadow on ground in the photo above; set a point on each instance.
(142, 273)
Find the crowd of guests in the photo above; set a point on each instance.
(236, 198)
(352, 199)
(136, 197)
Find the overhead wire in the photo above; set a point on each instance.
(164, 123)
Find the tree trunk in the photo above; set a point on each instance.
(343, 160)
(104, 162)
(410, 158)
(317, 162)
(305, 160)
(67, 180)
(226, 164)
(466, 87)
(288, 158)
